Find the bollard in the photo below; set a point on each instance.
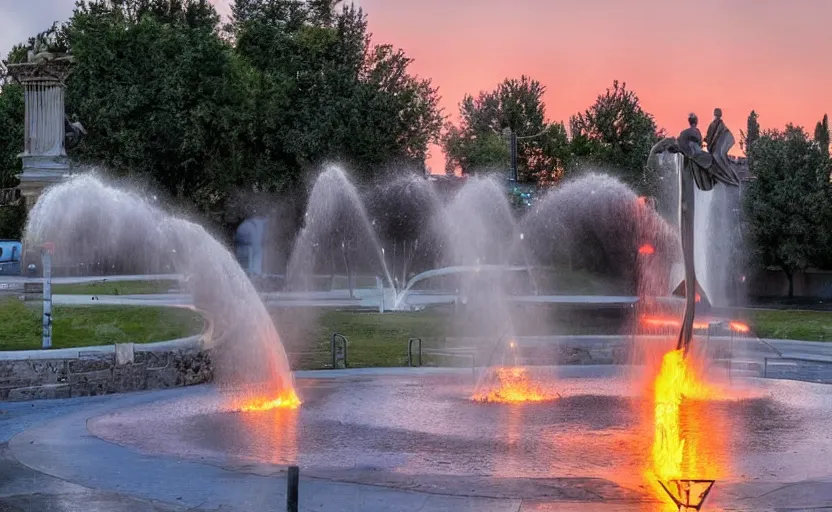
(292, 482)
(338, 347)
(410, 351)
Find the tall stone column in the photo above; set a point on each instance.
(44, 156)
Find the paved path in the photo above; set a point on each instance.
(59, 451)
(6, 279)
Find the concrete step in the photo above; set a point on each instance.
(739, 364)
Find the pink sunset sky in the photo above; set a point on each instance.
(767, 55)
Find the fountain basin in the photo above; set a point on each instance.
(418, 429)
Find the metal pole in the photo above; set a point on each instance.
(513, 156)
(380, 286)
(686, 229)
(46, 258)
(292, 483)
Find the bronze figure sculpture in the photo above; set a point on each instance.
(705, 169)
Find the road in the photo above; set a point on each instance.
(10, 280)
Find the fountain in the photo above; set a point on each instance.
(717, 242)
(401, 208)
(87, 219)
(335, 216)
(523, 427)
(601, 221)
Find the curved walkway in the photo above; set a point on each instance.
(81, 465)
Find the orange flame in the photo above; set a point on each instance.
(512, 385)
(287, 399)
(658, 321)
(670, 322)
(739, 327)
(676, 381)
(646, 249)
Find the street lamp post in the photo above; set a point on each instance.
(512, 138)
(513, 142)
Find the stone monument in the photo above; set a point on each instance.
(46, 126)
(705, 169)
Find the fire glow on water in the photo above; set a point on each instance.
(511, 385)
(677, 454)
(287, 399)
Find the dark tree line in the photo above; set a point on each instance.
(614, 134)
(221, 118)
(213, 116)
(788, 203)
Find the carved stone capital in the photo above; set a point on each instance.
(49, 70)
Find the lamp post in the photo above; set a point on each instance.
(512, 138)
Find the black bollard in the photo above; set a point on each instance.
(292, 481)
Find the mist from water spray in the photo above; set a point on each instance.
(715, 239)
(402, 208)
(599, 223)
(334, 203)
(87, 220)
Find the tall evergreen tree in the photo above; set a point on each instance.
(822, 134)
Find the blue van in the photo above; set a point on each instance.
(11, 251)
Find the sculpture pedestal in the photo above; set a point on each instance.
(34, 179)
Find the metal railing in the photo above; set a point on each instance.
(462, 353)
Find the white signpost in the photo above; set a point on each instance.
(46, 257)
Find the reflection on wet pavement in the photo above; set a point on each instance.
(424, 433)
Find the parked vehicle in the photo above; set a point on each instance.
(11, 252)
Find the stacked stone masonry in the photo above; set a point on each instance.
(96, 373)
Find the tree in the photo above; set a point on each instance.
(751, 135)
(486, 152)
(617, 134)
(786, 205)
(12, 220)
(822, 135)
(209, 119)
(329, 93)
(160, 94)
(515, 105)
(11, 133)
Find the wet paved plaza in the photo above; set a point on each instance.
(413, 437)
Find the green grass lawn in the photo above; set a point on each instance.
(790, 324)
(114, 287)
(380, 339)
(79, 326)
(375, 339)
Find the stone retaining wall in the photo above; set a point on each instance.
(30, 375)
(532, 350)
